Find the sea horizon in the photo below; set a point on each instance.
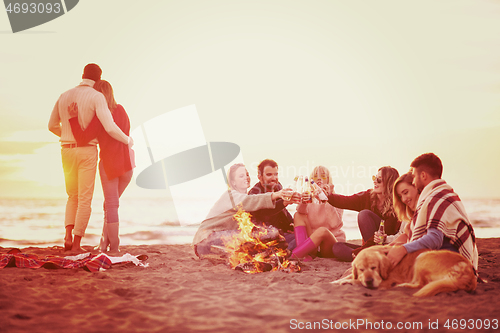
(149, 221)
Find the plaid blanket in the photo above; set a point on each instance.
(92, 263)
(441, 208)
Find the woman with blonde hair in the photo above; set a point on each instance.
(405, 198)
(219, 222)
(238, 178)
(115, 165)
(318, 224)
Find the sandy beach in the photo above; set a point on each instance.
(180, 293)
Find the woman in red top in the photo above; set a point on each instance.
(115, 165)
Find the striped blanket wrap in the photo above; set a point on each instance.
(441, 208)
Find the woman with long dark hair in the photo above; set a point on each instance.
(373, 205)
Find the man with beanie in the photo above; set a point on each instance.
(79, 162)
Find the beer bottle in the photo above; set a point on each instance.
(293, 188)
(381, 232)
(322, 196)
(307, 191)
(299, 184)
(294, 184)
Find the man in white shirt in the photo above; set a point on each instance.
(79, 162)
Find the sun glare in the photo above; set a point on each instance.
(42, 165)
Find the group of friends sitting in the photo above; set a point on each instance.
(419, 209)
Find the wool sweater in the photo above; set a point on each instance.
(221, 216)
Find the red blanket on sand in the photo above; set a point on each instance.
(14, 258)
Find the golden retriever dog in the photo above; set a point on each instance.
(432, 271)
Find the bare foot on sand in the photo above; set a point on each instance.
(78, 249)
(115, 253)
(68, 238)
(68, 244)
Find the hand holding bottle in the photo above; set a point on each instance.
(378, 238)
(296, 198)
(380, 235)
(290, 195)
(287, 193)
(319, 192)
(328, 188)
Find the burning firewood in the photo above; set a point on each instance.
(266, 234)
(258, 248)
(254, 266)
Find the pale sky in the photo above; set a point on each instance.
(352, 85)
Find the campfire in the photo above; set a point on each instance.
(258, 249)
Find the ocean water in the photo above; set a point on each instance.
(40, 222)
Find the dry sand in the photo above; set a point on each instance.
(180, 293)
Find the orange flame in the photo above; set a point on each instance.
(247, 248)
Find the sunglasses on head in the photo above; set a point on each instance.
(377, 179)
